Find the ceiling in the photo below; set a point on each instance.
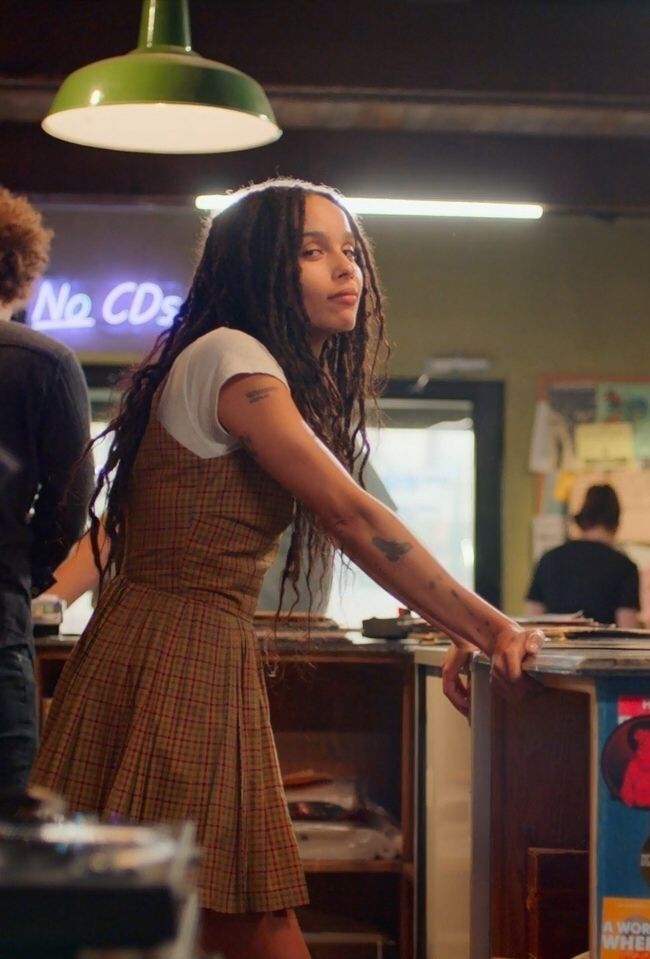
(545, 102)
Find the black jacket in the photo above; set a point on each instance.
(44, 426)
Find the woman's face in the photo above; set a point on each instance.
(330, 276)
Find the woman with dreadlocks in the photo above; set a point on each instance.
(249, 414)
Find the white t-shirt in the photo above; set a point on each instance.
(189, 401)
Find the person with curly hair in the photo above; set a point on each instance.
(44, 430)
(24, 248)
(249, 414)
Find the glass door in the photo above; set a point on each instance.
(422, 464)
(448, 486)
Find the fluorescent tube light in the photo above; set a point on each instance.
(380, 206)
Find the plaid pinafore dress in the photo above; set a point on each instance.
(161, 713)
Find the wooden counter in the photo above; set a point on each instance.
(547, 778)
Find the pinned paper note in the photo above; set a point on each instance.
(562, 486)
(628, 402)
(605, 445)
(540, 456)
(551, 444)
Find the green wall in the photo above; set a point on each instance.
(561, 294)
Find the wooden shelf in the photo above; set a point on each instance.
(354, 865)
(316, 920)
(338, 936)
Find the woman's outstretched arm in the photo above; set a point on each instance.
(259, 411)
(78, 572)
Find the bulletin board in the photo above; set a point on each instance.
(591, 430)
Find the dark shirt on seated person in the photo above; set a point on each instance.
(585, 575)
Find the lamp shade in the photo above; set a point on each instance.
(162, 97)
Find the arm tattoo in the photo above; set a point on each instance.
(254, 396)
(247, 443)
(480, 623)
(392, 549)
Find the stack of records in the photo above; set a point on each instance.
(555, 626)
(568, 626)
(405, 626)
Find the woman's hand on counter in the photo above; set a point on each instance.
(513, 645)
(457, 688)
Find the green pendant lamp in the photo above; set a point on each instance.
(162, 97)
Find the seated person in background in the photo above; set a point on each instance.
(587, 574)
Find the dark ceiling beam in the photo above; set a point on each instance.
(522, 100)
(564, 174)
(313, 108)
(557, 48)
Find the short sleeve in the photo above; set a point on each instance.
(628, 597)
(189, 401)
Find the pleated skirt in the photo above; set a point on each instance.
(161, 715)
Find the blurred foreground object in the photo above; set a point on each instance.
(75, 887)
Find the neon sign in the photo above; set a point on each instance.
(92, 315)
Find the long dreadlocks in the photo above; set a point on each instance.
(248, 278)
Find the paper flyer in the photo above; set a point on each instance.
(625, 930)
(628, 402)
(540, 456)
(605, 445)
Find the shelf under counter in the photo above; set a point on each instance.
(396, 866)
(336, 936)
